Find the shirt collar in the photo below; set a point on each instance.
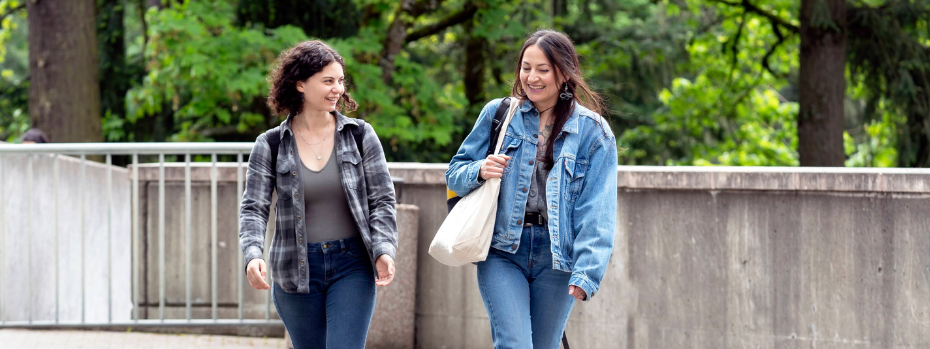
(341, 122)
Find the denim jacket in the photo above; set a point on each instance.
(368, 189)
(581, 190)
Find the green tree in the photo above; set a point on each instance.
(14, 70)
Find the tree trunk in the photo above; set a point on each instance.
(822, 85)
(64, 95)
(396, 36)
(114, 73)
(475, 49)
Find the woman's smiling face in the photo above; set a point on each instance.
(323, 90)
(538, 77)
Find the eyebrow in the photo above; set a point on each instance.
(330, 77)
(540, 64)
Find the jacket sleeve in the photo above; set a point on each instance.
(256, 200)
(462, 175)
(595, 218)
(382, 211)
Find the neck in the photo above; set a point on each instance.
(315, 119)
(547, 105)
(545, 110)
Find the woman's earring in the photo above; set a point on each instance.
(301, 97)
(566, 95)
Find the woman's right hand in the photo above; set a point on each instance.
(256, 271)
(493, 166)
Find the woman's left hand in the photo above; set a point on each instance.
(385, 266)
(577, 292)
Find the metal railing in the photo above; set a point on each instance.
(133, 150)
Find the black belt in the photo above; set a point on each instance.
(533, 218)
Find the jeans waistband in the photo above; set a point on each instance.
(341, 244)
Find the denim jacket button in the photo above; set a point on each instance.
(513, 247)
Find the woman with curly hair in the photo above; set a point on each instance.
(335, 225)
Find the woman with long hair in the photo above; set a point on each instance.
(556, 214)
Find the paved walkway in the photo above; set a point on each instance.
(27, 339)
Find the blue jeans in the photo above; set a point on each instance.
(527, 301)
(337, 311)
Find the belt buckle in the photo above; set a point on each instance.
(538, 220)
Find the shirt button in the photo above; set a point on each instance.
(301, 240)
(295, 196)
(301, 262)
(292, 152)
(298, 218)
(519, 221)
(294, 173)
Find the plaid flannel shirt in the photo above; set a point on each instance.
(368, 189)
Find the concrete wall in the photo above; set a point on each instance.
(725, 258)
(704, 258)
(29, 276)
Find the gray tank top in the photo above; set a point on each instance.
(325, 205)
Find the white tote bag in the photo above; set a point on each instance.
(465, 235)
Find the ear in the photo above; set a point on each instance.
(300, 86)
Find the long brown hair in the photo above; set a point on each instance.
(560, 51)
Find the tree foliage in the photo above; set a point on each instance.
(689, 82)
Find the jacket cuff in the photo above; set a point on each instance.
(474, 172)
(385, 248)
(251, 252)
(582, 281)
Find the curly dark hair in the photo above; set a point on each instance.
(299, 63)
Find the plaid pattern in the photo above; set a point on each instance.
(368, 188)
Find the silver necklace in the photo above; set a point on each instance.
(318, 156)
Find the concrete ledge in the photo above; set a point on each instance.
(839, 179)
(416, 173)
(775, 178)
